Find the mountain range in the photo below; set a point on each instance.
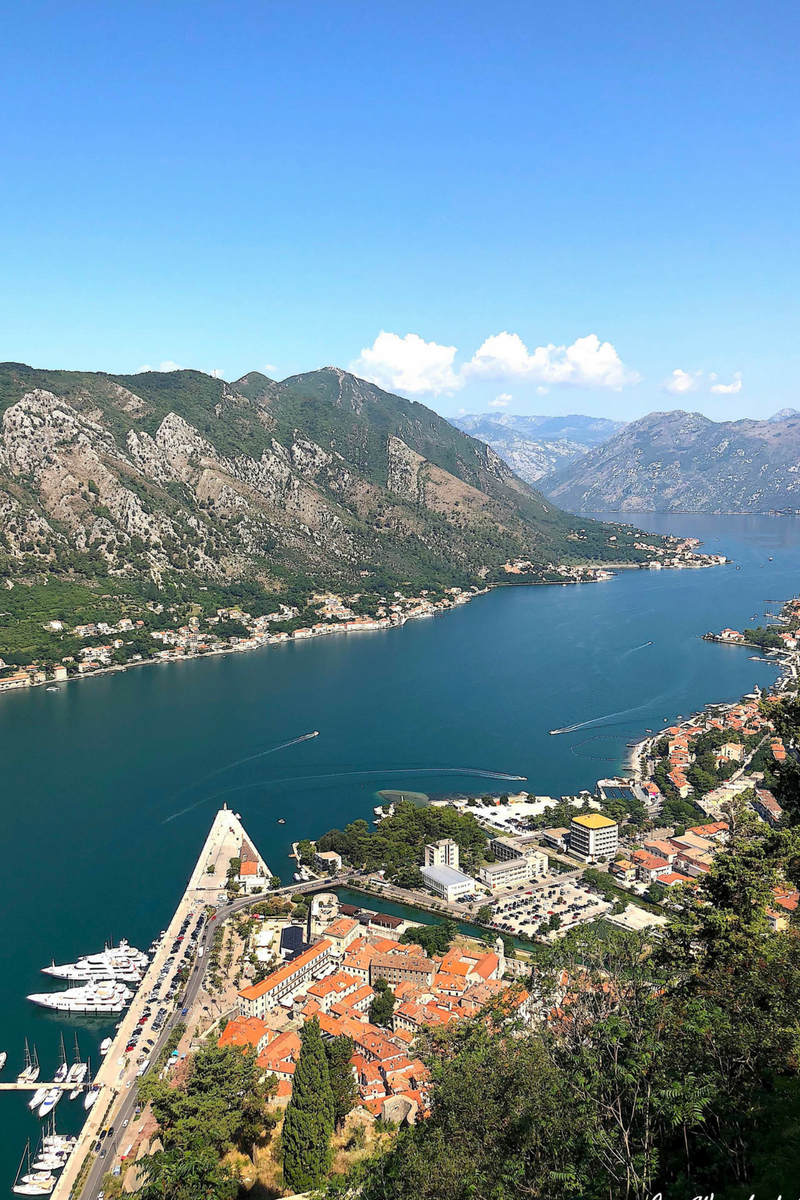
(322, 476)
(684, 462)
(535, 446)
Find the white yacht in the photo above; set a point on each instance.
(37, 1097)
(106, 1045)
(122, 962)
(49, 1162)
(3, 1058)
(50, 1101)
(97, 997)
(44, 1181)
(91, 1095)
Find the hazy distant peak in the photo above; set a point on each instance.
(783, 414)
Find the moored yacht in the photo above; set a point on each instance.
(50, 1101)
(123, 962)
(37, 1097)
(96, 997)
(106, 1045)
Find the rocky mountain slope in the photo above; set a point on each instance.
(322, 476)
(684, 462)
(535, 446)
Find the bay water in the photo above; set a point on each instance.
(110, 784)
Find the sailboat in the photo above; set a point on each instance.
(48, 1158)
(61, 1073)
(30, 1184)
(77, 1072)
(30, 1073)
(92, 1089)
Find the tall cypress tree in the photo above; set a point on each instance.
(343, 1085)
(309, 1115)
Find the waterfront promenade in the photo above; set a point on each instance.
(117, 1075)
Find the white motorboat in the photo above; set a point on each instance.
(3, 1059)
(30, 1072)
(37, 1097)
(123, 962)
(49, 1162)
(91, 1096)
(107, 996)
(50, 1101)
(106, 1045)
(44, 1180)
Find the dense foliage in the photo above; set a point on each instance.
(434, 939)
(382, 1004)
(398, 841)
(221, 1107)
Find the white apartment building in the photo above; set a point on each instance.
(443, 853)
(510, 873)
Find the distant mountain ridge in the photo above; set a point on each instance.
(534, 446)
(680, 461)
(321, 475)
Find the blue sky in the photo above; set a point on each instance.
(540, 207)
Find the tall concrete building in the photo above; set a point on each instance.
(443, 853)
(593, 836)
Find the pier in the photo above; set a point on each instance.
(117, 1075)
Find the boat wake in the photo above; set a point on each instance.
(625, 712)
(304, 737)
(476, 772)
(633, 649)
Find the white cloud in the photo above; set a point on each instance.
(500, 401)
(409, 365)
(164, 366)
(729, 389)
(680, 382)
(588, 362)
(542, 391)
(268, 368)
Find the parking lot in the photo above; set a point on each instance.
(526, 909)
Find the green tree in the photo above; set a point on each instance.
(186, 1175)
(484, 916)
(343, 1085)
(382, 1006)
(309, 1119)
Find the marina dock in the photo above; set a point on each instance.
(117, 1075)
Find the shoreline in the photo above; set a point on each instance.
(307, 635)
(787, 661)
